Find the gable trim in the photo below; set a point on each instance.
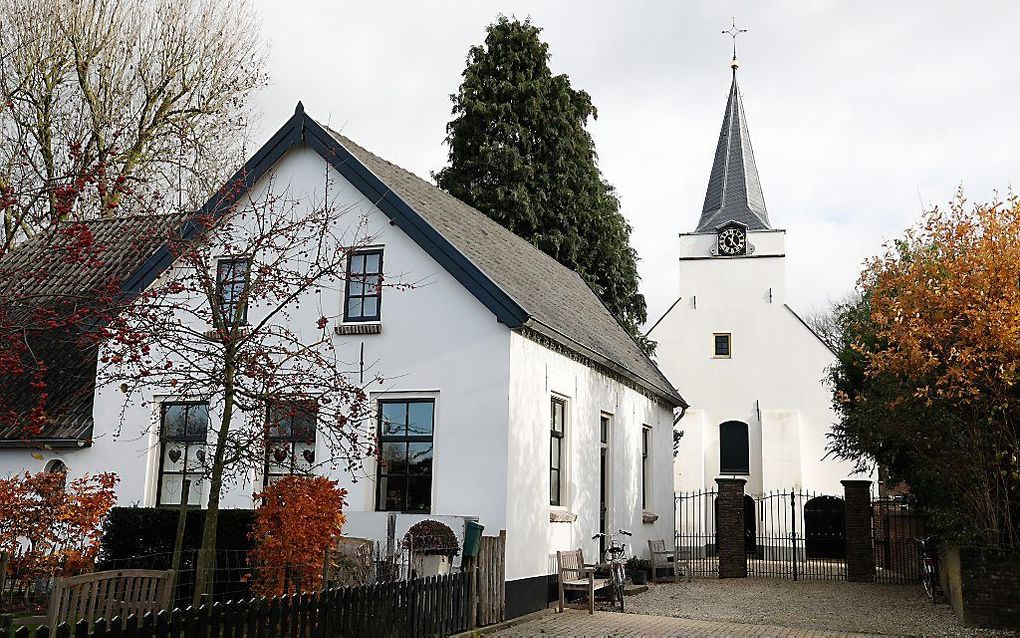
(300, 128)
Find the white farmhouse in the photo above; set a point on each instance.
(751, 368)
(528, 395)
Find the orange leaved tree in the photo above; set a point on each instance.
(929, 365)
(300, 516)
(58, 524)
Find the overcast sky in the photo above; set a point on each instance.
(860, 113)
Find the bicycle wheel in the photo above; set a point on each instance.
(620, 594)
(929, 589)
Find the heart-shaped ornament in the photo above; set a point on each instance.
(280, 454)
(200, 455)
(309, 456)
(174, 454)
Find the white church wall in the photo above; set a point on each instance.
(532, 540)
(776, 364)
(781, 445)
(437, 340)
(689, 464)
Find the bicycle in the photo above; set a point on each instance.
(615, 557)
(929, 568)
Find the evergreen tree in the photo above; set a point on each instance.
(520, 153)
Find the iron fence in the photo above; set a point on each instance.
(896, 524)
(795, 534)
(695, 531)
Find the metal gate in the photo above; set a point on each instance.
(696, 538)
(800, 535)
(896, 523)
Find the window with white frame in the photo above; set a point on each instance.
(184, 426)
(290, 438)
(557, 433)
(363, 295)
(231, 281)
(723, 342)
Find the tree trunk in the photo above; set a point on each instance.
(206, 563)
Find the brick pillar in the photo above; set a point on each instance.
(729, 528)
(860, 557)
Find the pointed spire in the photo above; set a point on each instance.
(734, 191)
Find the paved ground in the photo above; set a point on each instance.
(605, 624)
(762, 607)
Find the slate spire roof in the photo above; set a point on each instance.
(734, 190)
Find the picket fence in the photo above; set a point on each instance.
(434, 606)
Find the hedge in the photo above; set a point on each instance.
(147, 534)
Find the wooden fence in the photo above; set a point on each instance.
(435, 606)
(490, 569)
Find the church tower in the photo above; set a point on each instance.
(751, 369)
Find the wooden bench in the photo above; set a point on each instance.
(120, 592)
(671, 559)
(574, 575)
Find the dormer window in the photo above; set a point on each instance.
(363, 298)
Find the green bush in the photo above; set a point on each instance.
(142, 535)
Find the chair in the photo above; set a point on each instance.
(671, 559)
(120, 592)
(573, 574)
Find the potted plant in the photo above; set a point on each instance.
(433, 546)
(638, 569)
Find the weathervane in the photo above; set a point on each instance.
(733, 32)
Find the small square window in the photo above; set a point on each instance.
(723, 348)
(363, 296)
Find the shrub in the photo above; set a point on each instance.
(432, 537)
(144, 536)
(60, 521)
(298, 519)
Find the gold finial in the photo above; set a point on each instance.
(733, 32)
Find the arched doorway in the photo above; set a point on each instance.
(824, 534)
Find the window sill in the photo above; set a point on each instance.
(649, 517)
(359, 328)
(561, 515)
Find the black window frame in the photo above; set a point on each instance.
(646, 441)
(556, 440)
(188, 442)
(728, 337)
(734, 433)
(381, 504)
(304, 406)
(228, 309)
(352, 277)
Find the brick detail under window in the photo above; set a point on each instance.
(359, 329)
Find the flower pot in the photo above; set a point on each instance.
(637, 576)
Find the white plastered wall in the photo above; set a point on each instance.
(437, 340)
(537, 374)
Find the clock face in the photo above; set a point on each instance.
(732, 241)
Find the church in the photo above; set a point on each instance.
(751, 368)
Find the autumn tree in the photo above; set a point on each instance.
(243, 323)
(138, 97)
(60, 520)
(928, 360)
(298, 518)
(520, 153)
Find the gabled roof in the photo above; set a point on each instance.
(522, 286)
(734, 190)
(37, 275)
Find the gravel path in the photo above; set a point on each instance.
(837, 606)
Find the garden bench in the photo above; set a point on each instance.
(574, 575)
(120, 592)
(671, 559)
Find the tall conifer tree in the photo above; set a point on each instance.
(520, 153)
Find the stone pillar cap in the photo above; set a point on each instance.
(856, 482)
(722, 479)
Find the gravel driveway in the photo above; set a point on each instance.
(831, 605)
